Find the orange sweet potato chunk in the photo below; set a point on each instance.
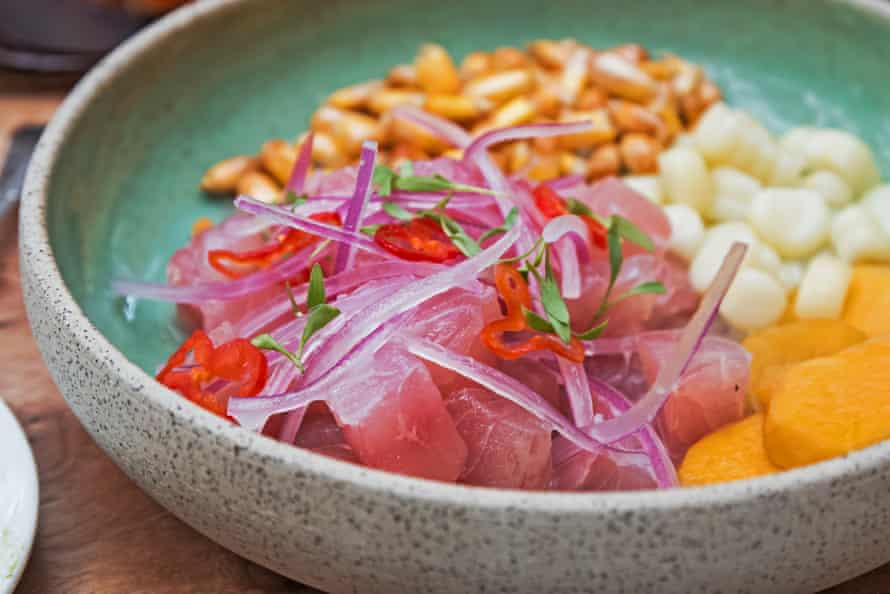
(868, 300)
(830, 406)
(774, 349)
(731, 453)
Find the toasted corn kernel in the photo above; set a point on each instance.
(348, 128)
(406, 152)
(200, 225)
(659, 70)
(518, 156)
(604, 161)
(692, 106)
(403, 75)
(688, 79)
(591, 98)
(277, 158)
(633, 52)
(260, 186)
(223, 177)
(630, 117)
(354, 96)
(454, 153)
(508, 58)
(544, 168)
(383, 100)
(622, 77)
(550, 54)
(400, 131)
(545, 145)
(435, 70)
(571, 164)
(518, 111)
(709, 93)
(475, 65)
(547, 102)
(602, 131)
(574, 75)
(500, 87)
(459, 108)
(325, 151)
(639, 152)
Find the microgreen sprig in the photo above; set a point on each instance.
(388, 180)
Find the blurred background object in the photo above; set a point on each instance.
(69, 35)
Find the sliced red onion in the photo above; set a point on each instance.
(522, 133)
(291, 426)
(289, 219)
(447, 131)
(405, 300)
(301, 167)
(568, 181)
(503, 385)
(358, 204)
(556, 232)
(577, 391)
(645, 410)
(223, 291)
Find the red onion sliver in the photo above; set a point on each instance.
(447, 131)
(521, 133)
(555, 232)
(289, 219)
(301, 167)
(504, 386)
(645, 409)
(568, 181)
(577, 391)
(358, 204)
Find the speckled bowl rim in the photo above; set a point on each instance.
(34, 240)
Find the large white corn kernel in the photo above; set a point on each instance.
(788, 167)
(687, 229)
(717, 132)
(836, 191)
(755, 300)
(733, 192)
(838, 151)
(856, 235)
(794, 221)
(754, 150)
(877, 204)
(714, 247)
(647, 186)
(823, 289)
(791, 274)
(685, 178)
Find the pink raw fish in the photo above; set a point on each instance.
(454, 320)
(393, 417)
(535, 374)
(674, 307)
(508, 447)
(710, 394)
(320, 433)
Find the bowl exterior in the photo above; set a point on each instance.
(343, 528)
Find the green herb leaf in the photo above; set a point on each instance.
(632, 233)
(594, 332)
(641, 289)
(576, 207)
(508, 223)
(396, 211)
(319, 317)
(463, 242)
(613, 237)
(370, 230)
(536, 322)
(531, 251)
(406, 169)
(293, 302)
(383, 178)
(316, 295)
(551, 298)
(435, 183)
(268, 343)
(294, 199)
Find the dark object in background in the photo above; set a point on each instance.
(61, 35)
(12, 175)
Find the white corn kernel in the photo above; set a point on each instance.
(877, 204)
(791, 274)
(834, 189)
(733, 192)
(714, 247)
(755, 300)
(717, 133)
(687, 229)
(754, 148)
(647, 186)
(787, 169)
(685, 178)
(856, 235)
(823, 289)
(838, 151)
(794, 221)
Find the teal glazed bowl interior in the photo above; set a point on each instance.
(113, 191)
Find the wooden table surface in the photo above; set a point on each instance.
(98, 533)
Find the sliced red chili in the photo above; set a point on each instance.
(236, 361)
(417, 239)
(552, 205)
(514, 291)
(286, 243)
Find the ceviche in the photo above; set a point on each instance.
(443, 279)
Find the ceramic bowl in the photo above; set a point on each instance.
(113, 190)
